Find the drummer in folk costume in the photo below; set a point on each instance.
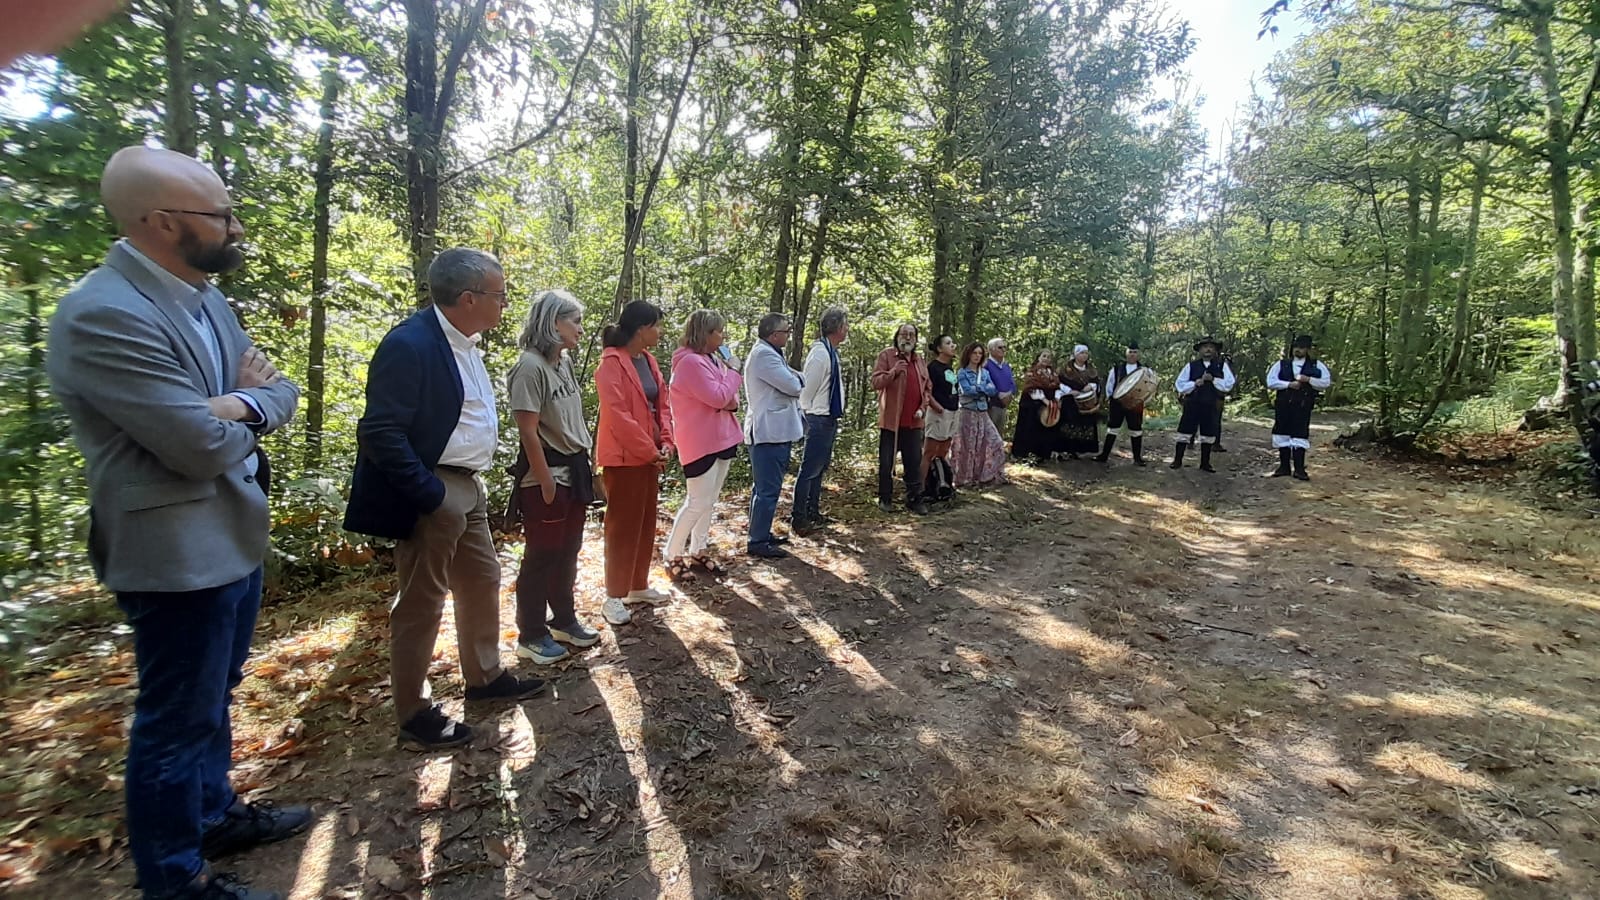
(1126, 410)
(1298, 380)
(1202, 384)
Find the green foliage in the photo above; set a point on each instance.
(987, 167)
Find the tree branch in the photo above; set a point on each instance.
(463, 39)
(555, 118)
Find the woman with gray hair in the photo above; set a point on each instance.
(705, 396)
(554, 480)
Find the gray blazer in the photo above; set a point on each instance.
(173, 504)
(773, 390)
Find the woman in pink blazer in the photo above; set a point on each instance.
(705, 396)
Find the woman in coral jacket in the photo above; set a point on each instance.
(705, 396)
(633, 445)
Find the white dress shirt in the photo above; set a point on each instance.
(473, 442)
(1320, 383)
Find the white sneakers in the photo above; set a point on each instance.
(615, 612)
(649, 596)
(615, 609)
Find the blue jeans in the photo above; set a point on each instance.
(768, 464)
(821, 431)
(190, 648)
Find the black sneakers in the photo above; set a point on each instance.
(506, 687)
(249, 825)
(431, 729)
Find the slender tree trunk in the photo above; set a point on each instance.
(1583, 288)
(177, 32)
(316, 352)
(634, 236)
(972, 292)
(1385, 424)
(430, 94)
(1410, 277)
(31, 273)
(631, 149)
(1147, 263)
(422, 152)
(1558, 157)
(953, 77)
(1413, 340)
(1458, 337)
(830, 204)
(789, 200)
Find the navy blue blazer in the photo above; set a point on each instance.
(414, 397)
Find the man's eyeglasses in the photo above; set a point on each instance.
(501, 296)
(226, 215)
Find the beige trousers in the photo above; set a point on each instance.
(452, 551)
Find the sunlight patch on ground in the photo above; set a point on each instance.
(665, 845)
(312, 877)
(1411, 758)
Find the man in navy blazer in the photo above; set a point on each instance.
(429, 430)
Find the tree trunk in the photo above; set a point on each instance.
(790, 199)
(177, 30)
(830, 204)
(1410, 277)
(1583, 288)
(32, 471)
(1558, 156)
(1458, 337)
(974, 286)
(1414, 350)
(631, 150)
(316, 352)
(633, 237)
(430, 93)
(953, 76)
(422, 153)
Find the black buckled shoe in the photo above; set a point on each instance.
(248, 825)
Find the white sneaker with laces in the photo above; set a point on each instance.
(615, 611)
(650, 596)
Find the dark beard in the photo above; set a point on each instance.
(215, 259)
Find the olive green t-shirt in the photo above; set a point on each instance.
(537, 386)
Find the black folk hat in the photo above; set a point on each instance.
(1133, 345)
(1208, 339)
(1305, 341)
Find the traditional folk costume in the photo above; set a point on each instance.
(1080, 425)
(1201, 396)
(1291, 420)
(1038, 412)
(1120, 415)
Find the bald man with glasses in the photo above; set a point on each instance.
(168, 400)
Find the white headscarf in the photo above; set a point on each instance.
(1079, 348)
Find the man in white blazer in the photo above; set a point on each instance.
(771, 427)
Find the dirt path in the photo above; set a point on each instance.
(1095, 683)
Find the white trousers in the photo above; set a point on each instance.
(1279, 441)
(692, 527)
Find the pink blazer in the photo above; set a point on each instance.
(626, 434)
(702, 391)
